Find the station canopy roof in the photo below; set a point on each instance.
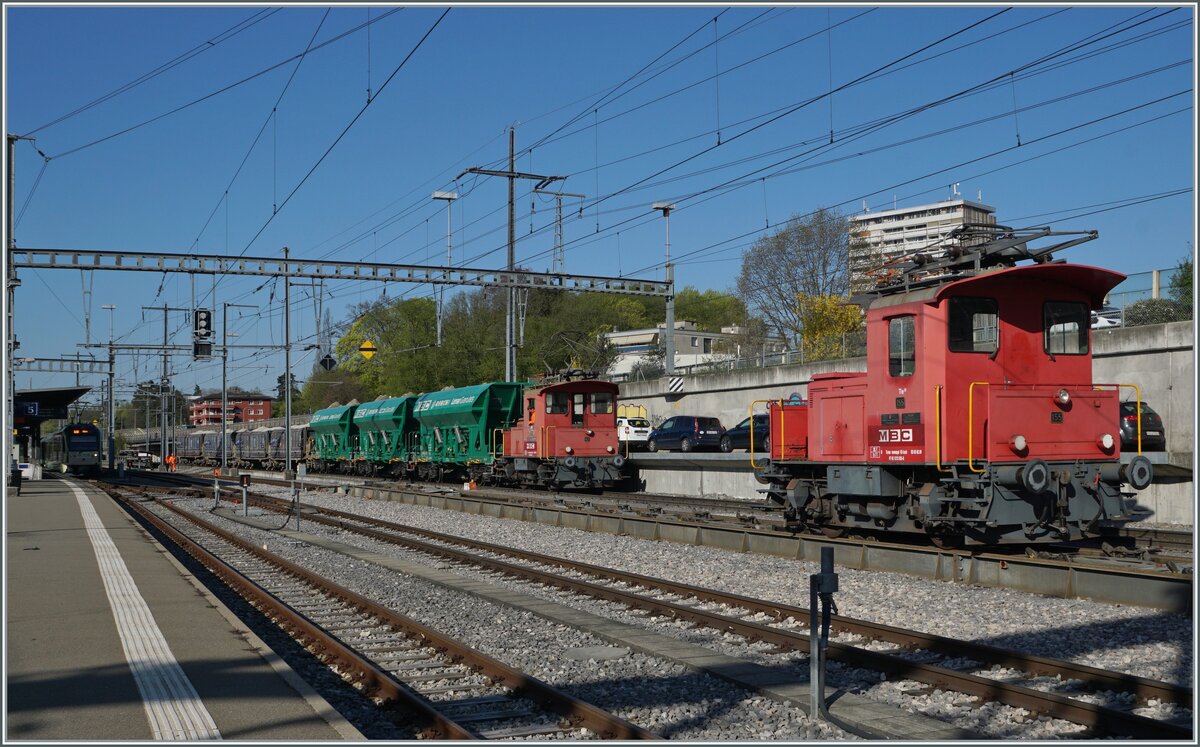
(32, 407)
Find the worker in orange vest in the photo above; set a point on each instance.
(171, 459)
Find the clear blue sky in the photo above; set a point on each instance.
(1103, 98)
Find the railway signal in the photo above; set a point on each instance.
(202, 334)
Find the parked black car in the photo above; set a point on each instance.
(1154, 435)
(738, 437)
(686, 433)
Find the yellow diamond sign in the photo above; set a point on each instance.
(367, 349)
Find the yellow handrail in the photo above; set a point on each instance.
(971, 425)
(937, 424)
(752, 404)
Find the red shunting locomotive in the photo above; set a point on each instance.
(566, 437)
(977, 421)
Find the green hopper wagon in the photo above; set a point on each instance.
(387, 432)
(461, 428)
(335, 438)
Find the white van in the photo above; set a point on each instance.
(633, 433)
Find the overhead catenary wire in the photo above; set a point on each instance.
(1026, 67)
(342, 134)
(890, 71)
(270, 116)
(930, 174)
(800, 106)
(33, 189)
(199, 49)
(1115, 205)
(224, 89)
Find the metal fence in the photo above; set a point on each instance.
(1139, 287)
(851, 346)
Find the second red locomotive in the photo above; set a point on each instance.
(977, 421)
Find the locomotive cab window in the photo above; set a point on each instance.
(1066, 328)
(577, 410)
(974, 325)
(902, 355)
(602, 403)
(556, 403)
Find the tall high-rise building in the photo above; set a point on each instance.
(877, 238)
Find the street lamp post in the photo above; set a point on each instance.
(449, 197)
(666, 208)
(110, 307)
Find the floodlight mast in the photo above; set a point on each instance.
(448, 197)
(669, 362)
(111, 307)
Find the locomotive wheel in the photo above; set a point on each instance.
(652, 446)
(686, 444)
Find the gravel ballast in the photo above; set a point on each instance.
(1138, 641)
(656, 694)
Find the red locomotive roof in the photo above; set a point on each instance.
(591, 385)
(1096, 282)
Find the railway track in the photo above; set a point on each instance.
(1043, 685)
(445, 688)
(1145, 579)
(976, 669)
(722, 510)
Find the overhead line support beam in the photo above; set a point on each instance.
(73, 259)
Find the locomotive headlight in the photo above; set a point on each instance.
(569, 450)
(590, 432)
(1106, 442)
(1018, 444)
(610, 449)
(1063, 397)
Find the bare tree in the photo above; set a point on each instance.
(807, 256)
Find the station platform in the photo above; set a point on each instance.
(109, 638)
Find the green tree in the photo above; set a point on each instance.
(281, 392)
(711, 309)
(323, 388)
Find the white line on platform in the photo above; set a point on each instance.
(173, 708)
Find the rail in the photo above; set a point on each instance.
(1081, 712)
(602, 722)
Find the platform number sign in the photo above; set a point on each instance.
(202, 332)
